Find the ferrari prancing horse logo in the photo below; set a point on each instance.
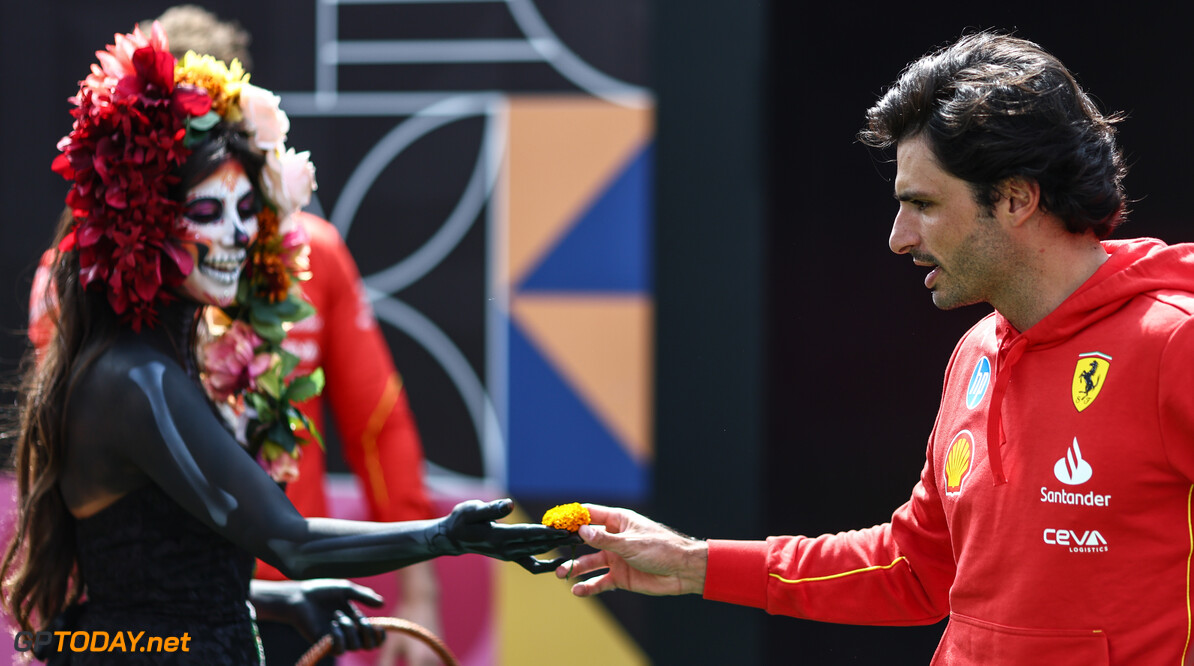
(1089, 376)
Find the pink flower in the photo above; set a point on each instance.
(133, 56)
(266, 122)
(232, 361)
(295, 251)
(289, 179)
(280, 465)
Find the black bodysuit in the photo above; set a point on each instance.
(175, 550)
(151, 567)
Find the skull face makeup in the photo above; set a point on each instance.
(220, 213)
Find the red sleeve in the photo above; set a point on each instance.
(365, 392)
(1176, 392)
(898, 573)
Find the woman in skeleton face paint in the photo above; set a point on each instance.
(138, 486)
(221, 220)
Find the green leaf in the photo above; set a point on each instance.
(289, 362)
(264, 312)
(270, 381)
(305, 387)
(242, 292)
(285, 310)
(279, 433)
(198, 127)
(269, 330)
(261, 405)
(302, 388)
(293, 308)
(307, 424)
(204, 122)
(317, 377)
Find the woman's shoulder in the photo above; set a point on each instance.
(126, 352)
(125, 364)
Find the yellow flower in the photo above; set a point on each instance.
(567, 517)
(222, 82)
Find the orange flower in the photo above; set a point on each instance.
(567, 517)
(271, 279)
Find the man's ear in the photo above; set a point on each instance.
(1020, 199)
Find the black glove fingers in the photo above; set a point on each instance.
(364, 595)
(478, 512)
(528, 532)
(538, 566)
(348, 627)
(370, 636)
(337, 634)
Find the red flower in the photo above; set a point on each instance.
(126, 143)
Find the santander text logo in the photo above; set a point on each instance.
(1072, 470)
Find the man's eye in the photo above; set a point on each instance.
(204, 211)
(248, 206)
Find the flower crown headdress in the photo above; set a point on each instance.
(137, 115)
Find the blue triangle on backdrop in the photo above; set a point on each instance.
(609, 247)
(557, 447)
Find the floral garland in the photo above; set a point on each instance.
(136, 116)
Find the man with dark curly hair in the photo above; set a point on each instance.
(1052, 519)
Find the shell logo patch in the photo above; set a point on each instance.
(1089, 376)
(958, 462)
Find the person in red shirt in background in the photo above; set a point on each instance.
(377, 431)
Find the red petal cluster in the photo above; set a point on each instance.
(121, 154)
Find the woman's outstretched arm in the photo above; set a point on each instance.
(142, 407)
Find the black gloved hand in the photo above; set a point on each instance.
(470, 529)
(320, 606)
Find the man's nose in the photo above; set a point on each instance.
(904, 236)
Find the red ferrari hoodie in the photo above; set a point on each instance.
(1052, 521)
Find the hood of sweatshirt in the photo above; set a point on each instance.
(1134, 267)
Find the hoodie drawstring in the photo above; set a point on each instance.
(1003, 376)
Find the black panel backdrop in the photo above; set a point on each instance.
(817, 354)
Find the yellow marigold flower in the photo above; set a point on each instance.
(567, 517)
(222, 82)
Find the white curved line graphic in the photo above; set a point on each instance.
(448, 236)
(544, 40)
(392, 144)
(476, 400)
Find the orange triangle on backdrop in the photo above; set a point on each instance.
(602, 346)
(561, 154)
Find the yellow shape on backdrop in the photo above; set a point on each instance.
(540, 622)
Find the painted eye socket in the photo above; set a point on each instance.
(204, 211)
(248, 205)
